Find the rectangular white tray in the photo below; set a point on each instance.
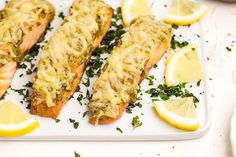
(153, 127)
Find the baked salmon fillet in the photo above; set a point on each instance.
(22, 22)
(138, 50)
(66, 55)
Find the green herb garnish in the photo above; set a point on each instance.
(80, 98)
(151, 79)
(28, 85)
(57, 120)
(87, 83)
(199, 83)
(133, 105)
(61, 15)
(136, 122)
(95, 65)
(88, 96)
(228, 49)
(164, 92)
(22, 66)
(177, 44)
(71, 120)
(119, 129)
(75, 123)
(175, 26)
(77, 154)
(23, 92)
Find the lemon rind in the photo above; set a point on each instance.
(186, 20)
(14, 130)
(189, 124)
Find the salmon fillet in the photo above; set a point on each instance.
(22, 22)
(66, 55)
(142, 46)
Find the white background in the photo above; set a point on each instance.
(220, 21)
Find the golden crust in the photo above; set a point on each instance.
(40, 108)
(155, 56)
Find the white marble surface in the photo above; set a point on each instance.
(220, 30)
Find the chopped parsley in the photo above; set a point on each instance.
(175, 26)
(75, 123)
(133, 105)
(49, 28)
(155, 66)
(113, 35)
(199, 83)
(31, 71)
(76, 154)
(228, 49)
(164, 92)
(33, 53)
(88, 96)
(23, 92)
(87, 83)
(57, 120)
(119, 129)
(22, 66)
(61, 15)
(151, 79)
(71, 120)
(95, 65)
(28, 85)
(136, 122)
(177, 44)
(80, 98)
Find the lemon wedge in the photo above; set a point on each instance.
(131, 9)
(185, 12)
(180, 113)
(14, 122)
(183, 66)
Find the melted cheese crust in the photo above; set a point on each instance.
(16, 20)
(119, 82)
(70, 46)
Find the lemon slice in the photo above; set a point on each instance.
(180, 113)
(185, 12)
(183, 66)
(14, 122)
(131, 9)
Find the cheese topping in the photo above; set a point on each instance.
(16, 20)
(119, 81)
(70, 47)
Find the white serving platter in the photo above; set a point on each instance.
(153, 127)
